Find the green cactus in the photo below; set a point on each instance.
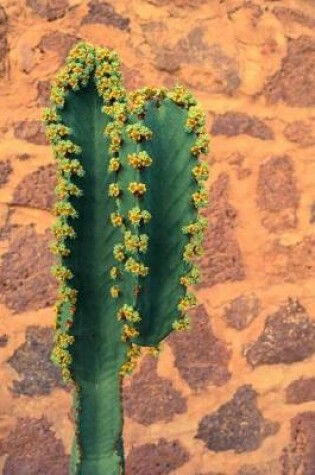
(130, 185)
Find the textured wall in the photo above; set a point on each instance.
(235, 395)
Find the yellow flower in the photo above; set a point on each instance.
(113, 190)
(114, 291)
(116, 219)
(137, 189)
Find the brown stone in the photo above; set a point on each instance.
(58, 42)
(242, 311)
(277, 193)
(293, 15)
(301, 390)
(49, 9)
(294, 82)
(32, 448)
(222, 259)
(299, 456)
(289, 263)
(161, 458)
(237, 425)
(147, 386)
(3, 340)
(105, 13)
(38, 375)
(23, 156)
(4, 45)
(43, 93)
(5, 172)
(236, 123)
(312, 212)
(132, 77)
(37, 189)
(255, 12)
(178, 3)
(200, 357)
(7, 226)
(32, 131)
(26, 282)
(300, 132)
(272, 467)
(288, 337)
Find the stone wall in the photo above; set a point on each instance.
(236, 394)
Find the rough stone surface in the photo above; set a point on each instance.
(26, 282)
(146, 386)
(7, 226)
(58, 42)
(293, 15)
(277, 193)
(37, 189)
(294, 83)
(301, 133)
(312, 213)
(242, 311)
(156, 459)
(237, 425)
(105, 13)
(222, 259)
(32, 362)
(32, 131)
(4, 45)
(299, 456)
(290, 262)
(301, 390)
(5, 171)
(236, 123)
(3, 340)
(200, 357)
(32, 448)
(43, 93)
(288, 337)
(272, 467)
(48, 9)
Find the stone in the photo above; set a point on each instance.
(32, 131)
(26, 282)
(293, 15)
(234, 123)
(241, 311)
(237, 425)
(49, 9)
(277, 193)
(300, 391)
(288, 337)
(290, 262)
(312, 213)
(105, 13)
(4, 45)
(43, 93)
(3, 340)
(58, 42)
(294, 82)
(37, 188)
(222, 260)
(146, 387)
(161, 458)
(200, 356)
(300, 132)
(5, 172)
(7, 227)
(33, 448)
(272, 467)
(299, 456)
(31, 360)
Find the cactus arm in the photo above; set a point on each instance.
(88, 346)
(174, 195)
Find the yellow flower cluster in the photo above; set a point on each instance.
(116, 219)
(181, 324)
(63, 208)
(138, 132)
(65, 188)
(198, 226)
(139, 160)
(193, 277)
(127, 312)
(195, 118)
(133, 243)
(114, 165)
(136, 267)
(62, 230)
(59, 248)
(115, 291)
(50, 115)
(181, 96)
(61, 273)
(135, 216)
(200, 198)
(118, 252)
(137, 189)
(187, 302)
(65, 146)
(129, 332)
(155, 350)
(201, 145)
(67, 165)
(114, 272)
(201, 172)
(67, 294)
(133, 354)
(113, 190)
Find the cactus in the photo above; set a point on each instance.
(127, 229)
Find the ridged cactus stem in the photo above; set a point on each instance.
(130, 186)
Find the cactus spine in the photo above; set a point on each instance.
(127, 229)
